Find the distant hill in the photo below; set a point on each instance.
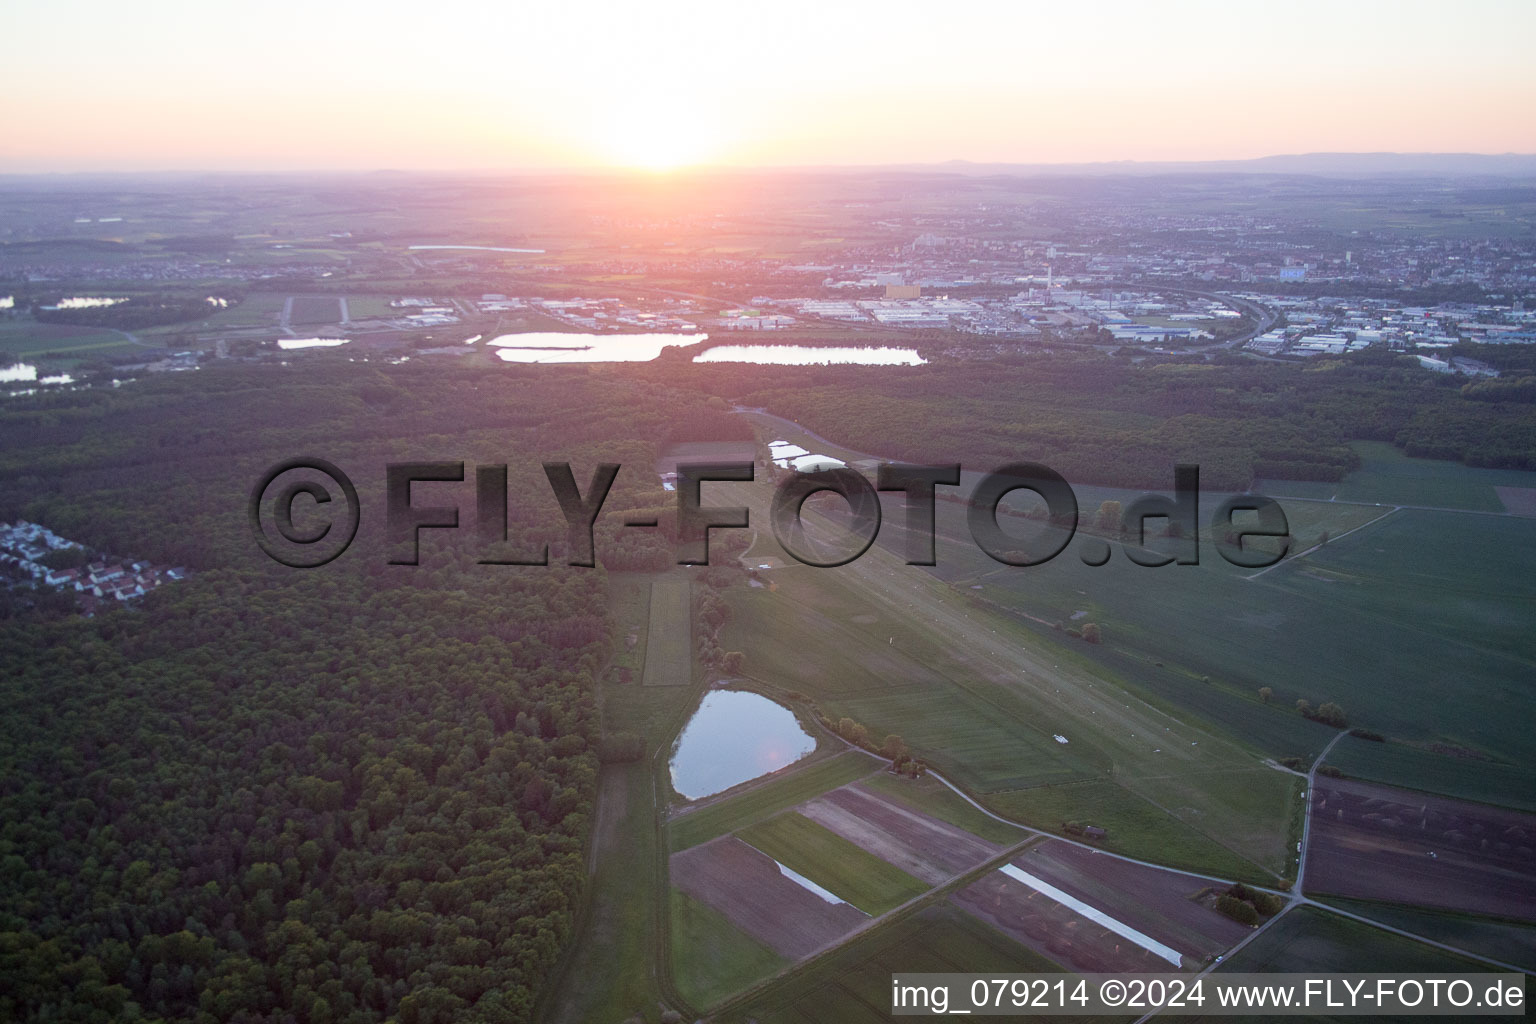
(1335, 165)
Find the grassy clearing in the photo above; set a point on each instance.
(1137, 828)
(21, 338)
(815, 778)
(711, 957)
(630, 601)
(258, 309)
(937, 800)
(833, 863)
(853, 985)
(360, 307)
(669, 639)
(315, 309)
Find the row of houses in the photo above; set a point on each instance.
(24, 545)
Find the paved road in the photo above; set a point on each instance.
(1306, 821)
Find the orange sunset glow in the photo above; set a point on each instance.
(470, 86)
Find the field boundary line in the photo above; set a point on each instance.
(1317, 547)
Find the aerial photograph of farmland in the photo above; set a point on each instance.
(800, 514)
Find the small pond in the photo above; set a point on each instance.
(732, 738)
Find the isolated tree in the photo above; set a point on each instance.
(1265, 694)
(1331, 714)
(1110, 516)
(853, 732)
(1305, 707)
(732, 662)
(893, 747)
(1091, 633)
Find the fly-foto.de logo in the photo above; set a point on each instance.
(331, 511)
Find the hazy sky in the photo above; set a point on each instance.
(172, 84)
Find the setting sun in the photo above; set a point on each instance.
(659, 133)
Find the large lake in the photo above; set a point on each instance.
(554, 347)
(732, 738)
(810, 355)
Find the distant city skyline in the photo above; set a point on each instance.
(460, 86)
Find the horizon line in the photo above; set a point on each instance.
(725, 168)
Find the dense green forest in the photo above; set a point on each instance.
(1102, 419)
(353, 793)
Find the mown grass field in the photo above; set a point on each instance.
(755, 804)
(833, 863)
(33, 340)
(315, 309)
(1139, 827)
(935, 799)
(669, 638)
(258, 309)
(711, 957)
(361, 307)
(607, 974)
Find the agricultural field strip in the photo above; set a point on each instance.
(1375, 842)
(923, 847)
(1093, 914)
(739, 807)
(810, 886)
(933, 895)
(1069, 902)
(669, 635)
(840, 866)
(750, 889)
(1403, 932)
